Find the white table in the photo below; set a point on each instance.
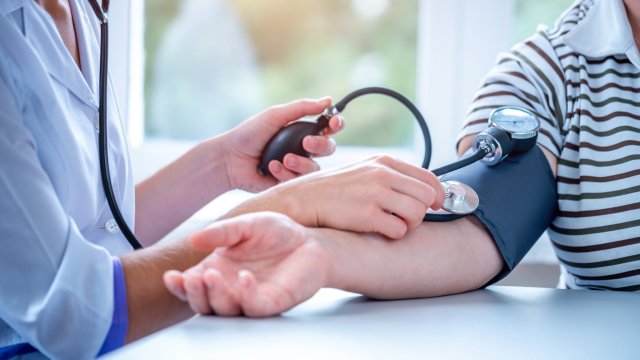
(500, 322)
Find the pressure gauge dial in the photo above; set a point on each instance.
(517, 122)
(511, 129)
(520, 124)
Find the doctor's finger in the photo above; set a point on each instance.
(173, 281)
(280, 172)
(410, 210)
(418, 173)
(296, 109)
(221, 299)
(196, 294)
(300, 164)
(388, 224)
(319, 145)
(336, 124)
(425, 193)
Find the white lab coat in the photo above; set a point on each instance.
(56, 269)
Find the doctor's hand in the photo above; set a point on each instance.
(243, 145)
(261, 265)
(382, 195)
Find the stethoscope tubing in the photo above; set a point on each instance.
(103, 143)
(465, 161)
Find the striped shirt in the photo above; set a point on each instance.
(582, 79)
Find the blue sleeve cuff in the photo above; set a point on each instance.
(118, 331)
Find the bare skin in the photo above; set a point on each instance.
(633, 14)
(61, 14)
(384, 195)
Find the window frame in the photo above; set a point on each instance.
(126, 62)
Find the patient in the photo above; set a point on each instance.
(580, 78)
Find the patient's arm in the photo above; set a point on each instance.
(434, 259)
(265, 264)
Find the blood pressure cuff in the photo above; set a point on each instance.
(518, 201)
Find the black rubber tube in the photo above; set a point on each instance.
(465, 161)
(406, 102)
(103, 136)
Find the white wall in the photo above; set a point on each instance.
(126, 63)
(458, 42)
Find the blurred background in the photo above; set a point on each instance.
(209, 64)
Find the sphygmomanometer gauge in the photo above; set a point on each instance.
(520, 124)
(511, 129)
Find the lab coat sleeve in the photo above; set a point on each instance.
(56, 287)
(120, 321)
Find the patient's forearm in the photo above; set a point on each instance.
(434, 259)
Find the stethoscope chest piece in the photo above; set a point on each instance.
(460, 199)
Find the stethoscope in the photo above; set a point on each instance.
(511, 129)
(102, 16)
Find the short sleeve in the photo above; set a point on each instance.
(529, 76)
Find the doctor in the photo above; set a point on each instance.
(70, 287)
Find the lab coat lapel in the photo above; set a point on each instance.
(9, 6)
(59, 64)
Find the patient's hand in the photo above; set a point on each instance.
(382, 195)
(263, 264)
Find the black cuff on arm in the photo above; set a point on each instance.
(518, 201)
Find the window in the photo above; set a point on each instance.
(531, 13)
(222, 61)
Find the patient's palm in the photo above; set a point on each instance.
(288, 265)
